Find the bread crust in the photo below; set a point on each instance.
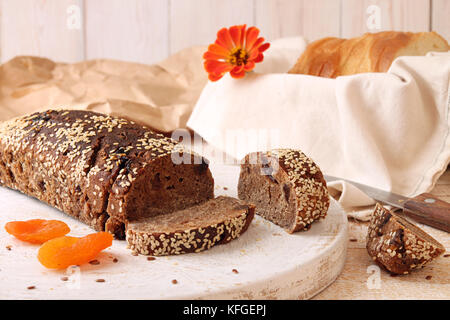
(190, 240)
(373, 52)
(83, 163)
(397, 245)
(292, 168)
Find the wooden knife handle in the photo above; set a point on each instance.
(429, 210)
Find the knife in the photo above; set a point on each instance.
(424, 208)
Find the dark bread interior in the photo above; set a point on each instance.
(197, 228)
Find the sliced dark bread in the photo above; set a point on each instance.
(216, 221)
(100, 169)
(398, 245)
(286, 187)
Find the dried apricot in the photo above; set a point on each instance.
(59, 253)
(37, 230)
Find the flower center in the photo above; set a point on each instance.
(238, 57)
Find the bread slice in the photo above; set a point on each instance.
(286, 186)
(216, 221)
(373, 52)
(100, 169)
(398, 245)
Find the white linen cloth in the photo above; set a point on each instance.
(388, 130)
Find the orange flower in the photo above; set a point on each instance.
(236, 50)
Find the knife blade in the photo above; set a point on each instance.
(386, 197)
(424, 208)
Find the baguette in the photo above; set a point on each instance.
(372, 52)
(99, 169)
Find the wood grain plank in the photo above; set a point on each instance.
(41, 27)
(440, 17)
(311, 19)
(132, 30)
(197, 23)
(399, 15)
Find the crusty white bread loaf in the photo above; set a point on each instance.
(286, 187)
(372, 52)
(398, 245)
(195, 229)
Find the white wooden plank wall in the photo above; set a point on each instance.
(441, 17)
(399, 15)
(134, 30)
(148, 31)
(197, 22)
(39, 28)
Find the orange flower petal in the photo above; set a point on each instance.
(243, 33)
(218, 67)
(251, 37)
(249, 66)
(235, 33)
(256, 52)
(214, 77)
(208, 55)
(253, 54)
(264, 47)
(238, 72)
(218, 49)
(257, 43)
(224, 39)
(259, 58)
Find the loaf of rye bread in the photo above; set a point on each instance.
(398, 245)
(286, 186)
(195, 229)
(102, 170)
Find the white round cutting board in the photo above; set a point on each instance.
(270, 263)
